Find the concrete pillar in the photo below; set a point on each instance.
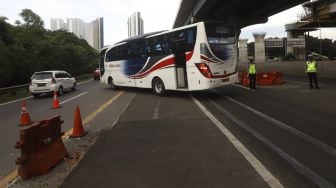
(289, 48)
(243, 50)
(259, 47)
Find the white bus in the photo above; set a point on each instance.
(194, 57)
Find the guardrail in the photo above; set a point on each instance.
(14, 89)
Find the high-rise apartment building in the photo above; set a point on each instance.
(92, 32)
(95, 33)
(135, 25)
(57, 24)
(77, 27)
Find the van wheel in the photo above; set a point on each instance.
(112, 85)
(158, 87)
(60, 91)
(73, 87)
(36, 95)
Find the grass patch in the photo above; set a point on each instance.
(10, 96)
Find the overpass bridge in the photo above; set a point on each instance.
(240, 13)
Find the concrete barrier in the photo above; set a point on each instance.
(326, 69)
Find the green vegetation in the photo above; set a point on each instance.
(27, 47)
(326, 47)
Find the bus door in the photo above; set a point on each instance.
(180, 64)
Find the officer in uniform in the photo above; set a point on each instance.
(252, 74)
(311, 69)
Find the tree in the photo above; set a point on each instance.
(27, 47)
(5, 34)
(31, 19)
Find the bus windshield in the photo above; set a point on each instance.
(219, 37)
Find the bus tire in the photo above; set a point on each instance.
(111, 84)
(158, 87)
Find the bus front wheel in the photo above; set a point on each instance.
(158, 87)
(111, 83)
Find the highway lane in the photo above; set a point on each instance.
(88, 95)
(170, 142)
(291, 117)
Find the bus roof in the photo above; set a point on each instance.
(139, 37)
(149, 35)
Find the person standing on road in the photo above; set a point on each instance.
(311, 69)
(252, 74)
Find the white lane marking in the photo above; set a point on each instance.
(73, 98)
(85, 81)
(295, 82)
(300, 83)
(299, 167)
(32, 96)
(156, 111)
(15, 101)
(241, 86)
(329, 149)
(256, 164)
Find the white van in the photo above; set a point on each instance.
(50, 81)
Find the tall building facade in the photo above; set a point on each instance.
(135, 25)
(92, 32)
(95, 33)
(77, 27)
(57, 24)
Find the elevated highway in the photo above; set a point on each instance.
(239, 13)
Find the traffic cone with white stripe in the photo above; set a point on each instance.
(55, 103)
(25, 118)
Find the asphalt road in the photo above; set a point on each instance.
(90, 96)
(276, 136)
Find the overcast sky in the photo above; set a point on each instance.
(157, 15)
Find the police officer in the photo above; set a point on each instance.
(252, 74)
(311, 69)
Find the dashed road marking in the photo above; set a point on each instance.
(156, 110)
(3, 104)
(73, 98)
(241, 86)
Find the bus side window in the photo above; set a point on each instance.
(190, 38)
(158, 49)
(168, 49)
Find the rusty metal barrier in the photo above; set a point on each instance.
(41, 147)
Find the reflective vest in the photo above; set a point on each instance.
(311, 66)
(252, 69)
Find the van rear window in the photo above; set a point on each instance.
(42, 76)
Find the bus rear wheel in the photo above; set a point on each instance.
(158, 87)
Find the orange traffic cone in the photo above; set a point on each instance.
(55, 103)
(25, 118)
(78, 130)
